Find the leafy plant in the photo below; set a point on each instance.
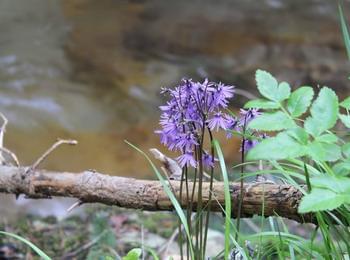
(304, 133)
(133, 254)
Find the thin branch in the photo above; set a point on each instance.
(2, 132)
(11, 154)
(75, 205)
(50, 150)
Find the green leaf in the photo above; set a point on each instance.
(345, 103)
(299, 101)
(327, 138)
(311, 126)
(345, 119)
(262, 104)
(279, 147)
(269, 87)
(267, 84)
(134, 254)
(227, 197)
(299, 134)
(28, 243)
(341, 168)
(283, 91)
(272, 122)
(337, 184)
(324, 112)
(346, 149)
(320, 199)
(324, 151)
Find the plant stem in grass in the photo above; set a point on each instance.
(242, 170)
(180, 226)
(188, 211)
(210, 193)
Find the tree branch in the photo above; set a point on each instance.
(91, 187)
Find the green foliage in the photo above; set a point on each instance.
(345, 103)
(309, 139)
(345, 30)
(299, 101)
(279, 147)
(269, 87)
(227, 197)
(324, 112)
(262, 104)
(133, 254)
(345, 120)
(272, 122)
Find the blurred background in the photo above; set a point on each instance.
(92, 70)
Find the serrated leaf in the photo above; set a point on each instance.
(279, 147)
(269, 87)
(327, 138)
(324, 112)
(320, 199)
(345, 103)
(283, 91)
(311, 126)
(346, 149)
(345, 119)
(324, 151)
(272, 122)
(299, 134)
(262, 104)
(299, 101)
(267, 84)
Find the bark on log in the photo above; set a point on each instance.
(92, 187)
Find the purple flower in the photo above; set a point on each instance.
(231, 125)
(222, 94)
(208, 160)
(251, 143)
(187, 141)
(248, 144)
(217, 121)
(192, 107)
(248, 115)
(187, 159)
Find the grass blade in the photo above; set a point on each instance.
(30, 244)
(227, 198)
(171, 196)
(344, 29)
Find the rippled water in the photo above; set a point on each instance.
(91, 70)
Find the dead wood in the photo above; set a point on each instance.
(93, 187)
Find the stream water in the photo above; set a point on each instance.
(91, 70)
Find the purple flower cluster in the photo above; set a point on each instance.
(193, 107)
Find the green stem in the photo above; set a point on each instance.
(210, 194)
(240, 203)
(179, 225)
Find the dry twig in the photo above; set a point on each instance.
(50, 150)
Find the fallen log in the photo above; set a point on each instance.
(93, 187)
